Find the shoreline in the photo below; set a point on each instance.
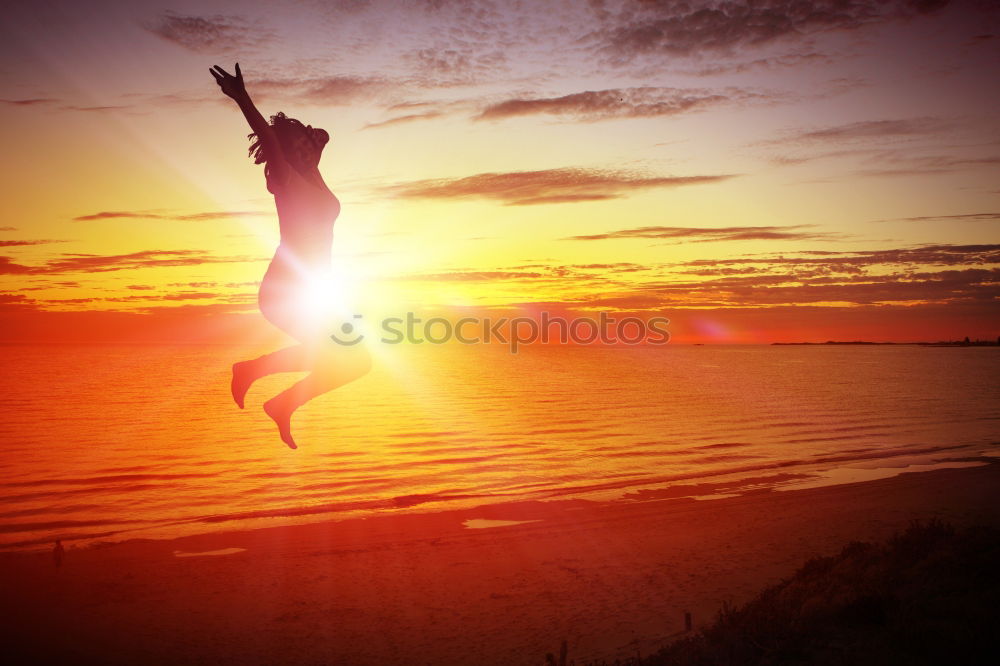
(722, 484)
(610, 578)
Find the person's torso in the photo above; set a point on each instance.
(306, 213)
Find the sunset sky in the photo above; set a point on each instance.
(774, 170)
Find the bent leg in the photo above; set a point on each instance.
(291, 359)
(331, 370)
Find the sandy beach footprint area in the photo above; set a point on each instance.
(496, 585)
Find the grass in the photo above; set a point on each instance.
(930, 595)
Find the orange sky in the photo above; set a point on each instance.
(797, 171)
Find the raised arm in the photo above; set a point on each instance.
(233, 87)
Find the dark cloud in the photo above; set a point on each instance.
(708, 234)
(519, 188)
(938, 255)
(150, 215)
(614, 103)
(670, 28)
(207, 34)
(15, 302)
(8, 267)
(942, 286)
(904, 276)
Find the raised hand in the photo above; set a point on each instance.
(231, 85)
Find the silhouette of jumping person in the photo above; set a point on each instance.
(290, 152)
(57, 553)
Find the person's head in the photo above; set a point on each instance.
(302, 144)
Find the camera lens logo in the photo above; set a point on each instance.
(348, 330)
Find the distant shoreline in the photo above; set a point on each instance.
(940, 343)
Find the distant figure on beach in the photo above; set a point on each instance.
(294, 294)
(57, 553)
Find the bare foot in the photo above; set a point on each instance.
(283, 418)
(242, 379)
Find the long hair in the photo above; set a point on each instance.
(283, 127)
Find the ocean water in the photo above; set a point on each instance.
(106, 442)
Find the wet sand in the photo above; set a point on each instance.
(613, 579)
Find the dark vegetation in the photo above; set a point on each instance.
(941, 343)
(930, 595)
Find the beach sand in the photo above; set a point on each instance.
(613, 579)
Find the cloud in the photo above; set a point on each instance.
(334, 90)
(189, 296)
(942, 286)
(144, 259)
(8, 267)
(61, 106)
(775, 62)
(579, 273)
(902, 276)
(151, 215)
(520, 188)
(207, 34)
(889, 147)
(414, 110)
(93, 263)
(929, 165)
(868, 129)
(19, 243)
(940, 255)
(410, 117)
(457, 64)
(38, 101)
(614, 103)
(695, 28)
(709, 234)
(619, 267)
(15, 302)
(107, 107)
(473, 276)
(941, 218)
